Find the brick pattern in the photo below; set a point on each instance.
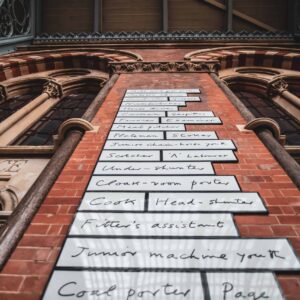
(32, 62)
(28, 269)
(233, 58)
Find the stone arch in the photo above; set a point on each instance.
(30, 62)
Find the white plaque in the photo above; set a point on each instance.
(148, 224)
(192, 135)
(113, 201)
(151, 103)
(135, 120)
(198, 155)
(90, 285)
(190, 114)
(170, 144)
(141, 114)
(188, 254)
(119, 155)
(232, 286)
(154, 168)
(191, 120)
(129, 98)
(157, 94)
(149, 127)
(164, 91)
(163, 183)
(206, 202)
(176, 98)
(149, 108)
(136, 135)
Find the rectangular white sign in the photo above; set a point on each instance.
(157, 94)
(136, 135)
(194, 90)
(136, 120)
(134, 155)
(188, 254)
(149, 108)
(149, 127)
(191, 120)
(184, 113)
(90, 285)
(163, 183)
(148, 224)
(171, 144)
(141, 114)
(152, 103)
(154, 168)
(192, 135)
(129, 98)
(232, 286)
(198, 155)
(113, 201)
(201, 202)
(176, 98)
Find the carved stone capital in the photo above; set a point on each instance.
(164, 67)
(53, 89)
(277, 87)
(3, 95)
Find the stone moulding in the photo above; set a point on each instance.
(165, 67)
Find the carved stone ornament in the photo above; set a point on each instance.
(277, 87)
(53, 89)
(165, 67)
(2, 94)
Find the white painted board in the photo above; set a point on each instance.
(134, 155)
(197, 202)
(191, 135)
(113, 201)
(141, 114)
(198, 155)
(152, 103)
(232, 286)
(148, 224)
(134, 98)
(149, 127)
(192, 90)
(188, 254)
(176, 98)
(183, 113)
(156, 94)
(136, 120)
(171, 144)
(191, 120)
(124, 286)
(149, 108)
(136, 135)
(163, 183)
(154, 168)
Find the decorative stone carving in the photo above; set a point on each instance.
(277, 87)
(53, 89)
(8, 199)
(168, 67)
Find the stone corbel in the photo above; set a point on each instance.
(277, 87)
(53, 89)
(8, 199)
(267, 123)
(71, 124)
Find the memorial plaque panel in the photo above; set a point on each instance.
(113, 201)
(192, 135)
(149, 108)
(190, 114)
(186, 254)
(124, 286)
(158, 94)
(195, 91)
(165, 183)
(149, 127)
(232, 286)
(198, 155)
(135, 120)
(190, 120)
(179, 98)
(135, 98)
(201, 202)
(170, 144)
(141, 114)
(119, 155)
(136, 135)
(151, 103)
(147, 224)
(154, 168)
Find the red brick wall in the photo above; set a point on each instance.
(28, 269)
